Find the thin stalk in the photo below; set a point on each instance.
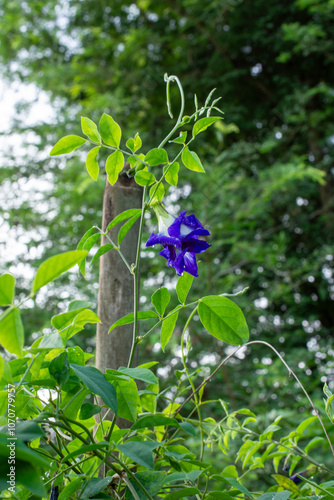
(129, 473)
(56, 449)
(168, 79)
(136, 282)
(291, 372)
(115, 248)
(190, 380)
(88, 480)
(25, 373)
(70, 401)
(112, 427)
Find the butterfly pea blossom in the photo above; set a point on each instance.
(179, 237)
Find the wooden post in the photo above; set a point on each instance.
(116, 290)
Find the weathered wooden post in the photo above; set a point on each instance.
(116, 289)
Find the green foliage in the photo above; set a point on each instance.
(67, 145)
(55, 266)
(191, 160)
(91, 163)
(11, 331)
(110, 130)
(223, 319)
(7, 289)
(171, 452)
(114, 165)
(97, 384)
(160, 300)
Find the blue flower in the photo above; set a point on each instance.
(180, 238)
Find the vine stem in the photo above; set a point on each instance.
(169, 79)
(135, 270)
(291, 372)
(189, 378)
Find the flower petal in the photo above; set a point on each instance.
(162, 239)
(186, 227)
(190, 264)
(194, 245)
(170, 254)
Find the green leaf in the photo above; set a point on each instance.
(220, 495)
(75, 305)
(286, 483)
(68, 492)
(185, 492)
(223, 319)
(181, 139)
(59, 368)
(126, 228)
(152, 482)
(55, 266)
(64, 319)
(233, 482)
(85, 237)
(101, 251)
(148, 397)
(127, 399)
(27, 430)
(22, 452)
(73, 398)
(115, 375)
(304, 425)
(183, 286)
(67, 144)
(192, 161)
(89, 128)
(88, 245)
(326, 390)
(330, 408)
(78, 323)
(183, 476)
(167, 329)
(203, 124)
(138, 373)
(159, 193)
(91, 163)
(252, 450)
(134, 144)
(127, 214)
(97, 384)
(156, 156)
(11, 331)
(50, 341)
(26, 475)
(110, 131)
(129, 318)
(88, 410)
(160, 300)
(91, 241)
(96, 485)
(7, 286)
(313, 443)
(154, 421)
(114, 165)
(172, 173)
(140, 452)
(144, 178)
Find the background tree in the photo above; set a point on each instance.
(269, 202)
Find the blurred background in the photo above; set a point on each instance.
(267, 198)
